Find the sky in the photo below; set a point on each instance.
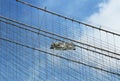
(104, 13)
(98, 12)
(83, 8)
(108, 15)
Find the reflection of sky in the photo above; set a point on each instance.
(31, 65)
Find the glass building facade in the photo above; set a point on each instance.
(27, 32)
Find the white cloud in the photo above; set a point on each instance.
(108, 15)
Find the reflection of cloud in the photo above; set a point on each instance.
(102, 17)
(109, 15)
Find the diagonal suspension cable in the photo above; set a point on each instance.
(62, 57)
(38, 65)
(62, 40)
(42, 35)
(88, 25)
(59, 36)
(68, 67)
